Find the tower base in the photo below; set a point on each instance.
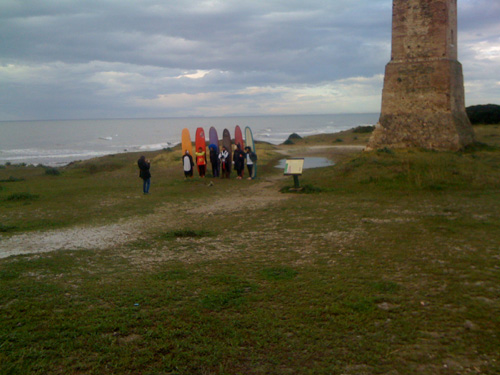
(423, 106)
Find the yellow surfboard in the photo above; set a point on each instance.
(186, 142)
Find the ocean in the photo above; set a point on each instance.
(57, 143)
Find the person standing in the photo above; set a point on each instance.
(239, 161)
(187, 163)
(224, 162)
(144, 173)
(201, 161)
(251, 159)
(214, 160)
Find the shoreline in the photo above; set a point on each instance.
(136, 150)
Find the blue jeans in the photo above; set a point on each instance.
(145, 186)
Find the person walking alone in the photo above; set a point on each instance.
(144, 173)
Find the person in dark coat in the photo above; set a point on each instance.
(239, 161)
(144, 173)
(187, 163)
(214, 160)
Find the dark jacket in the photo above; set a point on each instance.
(239, 159)
(144, 168)
(214, 155)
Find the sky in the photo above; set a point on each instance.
(74, 59)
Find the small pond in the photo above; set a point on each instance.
(310, 162)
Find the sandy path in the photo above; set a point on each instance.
(252, 196)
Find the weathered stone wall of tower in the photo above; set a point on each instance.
(423, 102)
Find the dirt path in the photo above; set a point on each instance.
(252, 196)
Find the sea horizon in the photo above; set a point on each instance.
(59, 142)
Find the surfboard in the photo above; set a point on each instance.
(250, 143)
(213, 143)
(238, 137)
(226, 142)
(200, 142)
(213, 139)
(186, 142)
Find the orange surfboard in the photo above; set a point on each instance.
(186, 142)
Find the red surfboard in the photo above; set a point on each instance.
(200, 142)
(238, 137)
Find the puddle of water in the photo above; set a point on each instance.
(310, 163)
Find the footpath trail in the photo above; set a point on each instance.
(252, 196)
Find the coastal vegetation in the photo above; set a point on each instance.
(388, 264)
(484, 114)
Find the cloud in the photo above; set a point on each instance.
(109, 58)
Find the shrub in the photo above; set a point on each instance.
(385, 150)
(364, 129)
(6, 228)
(12, 179)
(52, 171)
(22, 197)
(484, 114)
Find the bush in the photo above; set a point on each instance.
(12, 179)
(364, 129)
(22, 197)
(6, 228)
(52, 171)
(484, 114)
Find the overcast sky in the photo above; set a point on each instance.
(80, 59)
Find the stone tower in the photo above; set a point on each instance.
(423, 101)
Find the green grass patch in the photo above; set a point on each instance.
(279, 273)
(391, 269)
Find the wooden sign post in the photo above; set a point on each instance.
(294, 167)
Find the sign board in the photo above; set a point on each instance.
(294, 166)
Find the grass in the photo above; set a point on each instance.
(390, 267)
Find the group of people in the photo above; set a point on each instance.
(221, 162)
